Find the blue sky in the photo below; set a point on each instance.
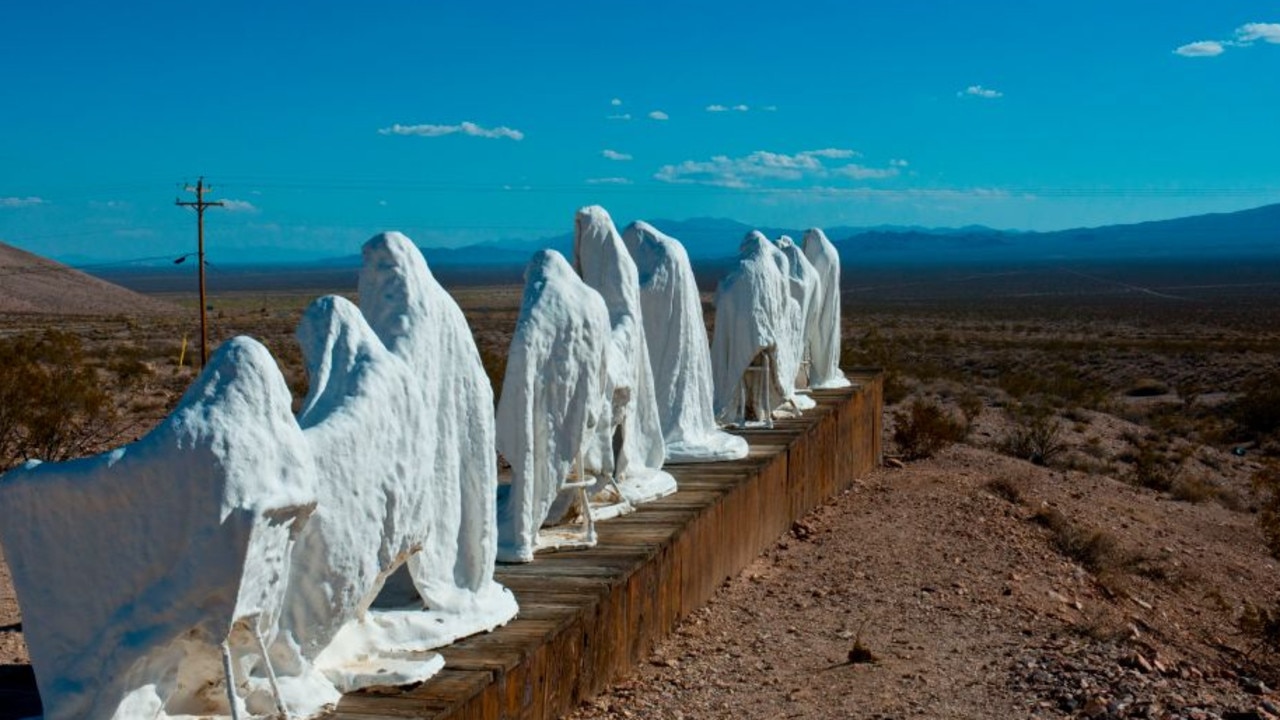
(322, 123)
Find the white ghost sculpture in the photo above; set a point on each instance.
(790, 332)
(806, 289)
(452, 573)
(679, 354)
(629, 443)
(751, 324)
(824, 342)
(552, 399)
(371, 435)
(151, 577)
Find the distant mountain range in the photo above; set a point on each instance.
(1253, 233)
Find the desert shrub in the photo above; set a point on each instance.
(1036, 435)
(971, 405)
(1257, 412)
(1059, 384)
(1006, 488)
(924, 428)
(1193, 490)
(1096, 550)
(1150, 467)
(1266, 484)
(1262, 625)
(52, 404)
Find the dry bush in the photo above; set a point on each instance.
(1151, 468)
(1262, 625)
(1257, 412)
(924, 429)
(1096, 550)
(971, 406)
(1036, 435)
(1266, 484)
(52, 403)
(1192, 490)
(1007, 488)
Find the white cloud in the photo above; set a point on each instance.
(832, 153)
(770, 108)
(382, 203)
(717, 108)
(18, 202)
(608, 181)
(982, 92)
(243, 206)
(623, 116)
(1203, 48)
(741, 108)
(862, 172)
(615, 155)
(465, 127)
(615, 102)
(747, 171)
(898, 163)
(1250, 32)
(658, 115)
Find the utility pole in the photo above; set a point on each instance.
(200, 189)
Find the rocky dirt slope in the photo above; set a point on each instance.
(33, 284)
(936, 590)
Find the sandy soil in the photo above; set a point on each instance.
(968, 611)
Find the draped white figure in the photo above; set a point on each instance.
(552, 401)
(679, 354)
(824, 341)
(420, 323)
(806, 289)
(149, 577)
(752, 322)
(369, 433)
(629, 446)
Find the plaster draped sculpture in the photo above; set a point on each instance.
(806, 289)
(629, 445)
(751, 310)
(790, 339)
(679, 354)
(552, 401)
(149, 576)
(452, 573)
(370, 433)
(824, 342)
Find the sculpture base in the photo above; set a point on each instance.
(647, 485)
(715, 446)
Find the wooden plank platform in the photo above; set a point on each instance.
(588, 616)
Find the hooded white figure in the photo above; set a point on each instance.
(151, 577)
(751, 323)
(552, 400)
(806, 289)
(371, 435)
(790, 332)
(679, 354)
(629, 444)
(824, 341)
(452, 573)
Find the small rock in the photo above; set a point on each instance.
(1096, 707)
(893, 462)
(1254, 686)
